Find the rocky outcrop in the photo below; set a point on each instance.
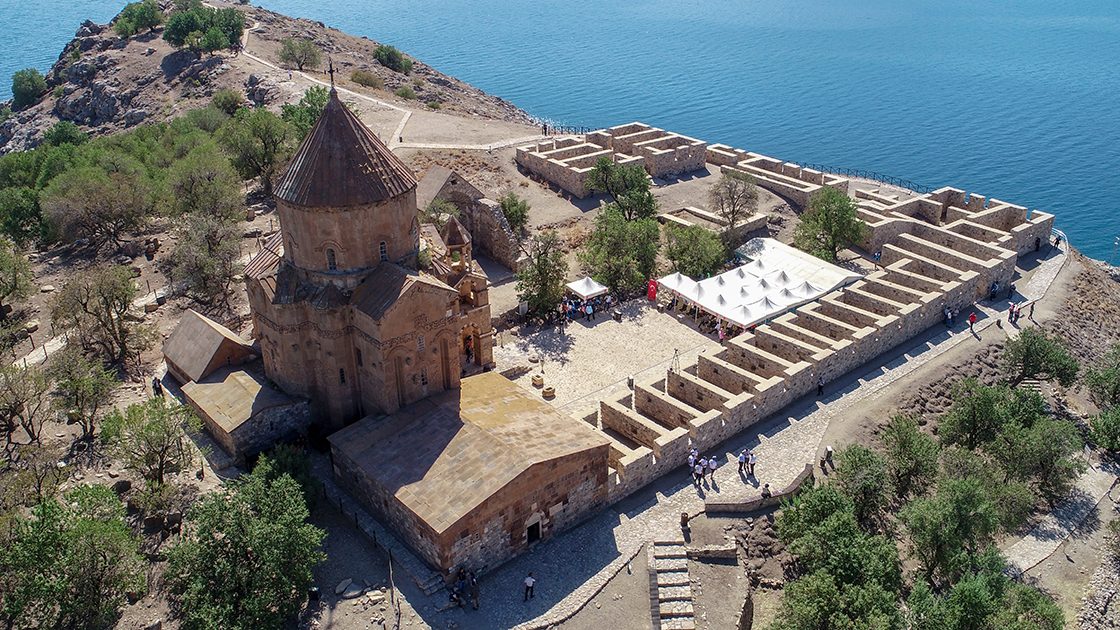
(262, 91)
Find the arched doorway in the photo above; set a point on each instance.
(468, 348)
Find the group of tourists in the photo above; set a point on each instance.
(1015, 311)
(706, 322)
(701, 467)
(573, 308)
(951, 315)
(464, 589)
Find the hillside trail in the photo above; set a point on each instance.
(396, 138)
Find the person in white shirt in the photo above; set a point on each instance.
(750, 463)
(712, 468)
(529, 582)
(742, 461)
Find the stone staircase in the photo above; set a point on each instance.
(670, 591)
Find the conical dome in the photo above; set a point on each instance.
(342, 163)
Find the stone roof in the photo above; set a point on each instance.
(444, 456)
(431, 183)
(195, 341)
(454, 234)
(231, 396)
(268, 259)
(385, 285)
(343, 163)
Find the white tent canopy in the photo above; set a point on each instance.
(777, 278)
(587, 288)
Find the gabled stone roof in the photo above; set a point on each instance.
(196, 341)
(388, 282)
(342, 163)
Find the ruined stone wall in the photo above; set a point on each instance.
(269, 426)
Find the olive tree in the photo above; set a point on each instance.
(151, 438)
(1035, 354)
(733, 198)
(300, 54)
(830, 225)
(15, 274)
(259, 142)
(94, 307)
(540, 281)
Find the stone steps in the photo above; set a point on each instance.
(670, 587)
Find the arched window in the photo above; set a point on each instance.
(331, 264)
(420, 343)
(358, 356)
(384, 248)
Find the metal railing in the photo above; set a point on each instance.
(866, 174)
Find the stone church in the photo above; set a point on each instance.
(343, 316)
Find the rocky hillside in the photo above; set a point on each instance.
(104, 83)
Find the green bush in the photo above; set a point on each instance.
(27, 86)
(392, 59)
(65, 132)
(405, 92)
(434, 105)
(227, 100)
(516, 211)
(366, 78)
(1106, 428)
(5, 114)
(58, 91)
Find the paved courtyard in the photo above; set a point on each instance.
(583, 360)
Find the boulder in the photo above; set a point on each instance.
(46, 288)
(154, 521)
(175, 517)
(353, 591)
(342, 586)
(31, 326)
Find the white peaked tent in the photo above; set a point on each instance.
(777, 278)
(587, 288)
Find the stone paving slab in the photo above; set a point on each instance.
(1045, 538)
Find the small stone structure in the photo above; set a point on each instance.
(473, 477)
(482, 217)
(567, 162)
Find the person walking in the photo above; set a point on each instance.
(529, 582)
(971, 321)
(742, 461)
(697, 473)
(820, 386)
(750, 462)
(474, 591)
(712, 469)
(703, 464)
(1031, 315)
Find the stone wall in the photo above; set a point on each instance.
(269, 426)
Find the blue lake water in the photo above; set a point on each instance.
(1013, 99)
